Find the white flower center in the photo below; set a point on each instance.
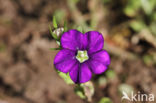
(82, 56)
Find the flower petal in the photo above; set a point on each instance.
(85, 73)
(96, 41)
(80, 73)
(101, 56)
(64, 60)
(74, 40)
(97, 67)
(74, 73)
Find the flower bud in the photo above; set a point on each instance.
(58, 32)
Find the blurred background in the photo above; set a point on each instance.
(27, 74)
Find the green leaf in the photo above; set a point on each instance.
(54, 22)
(137, 25)
(59, 15)
(132, 7)
(80, 94)
(58, 42)
(80, 91)
(105, 100)
(152, 28)
(52, 34)
(65, 26)
(146, 6)
(110, 74)
(79, 28)
(66, 77)
(55, 48)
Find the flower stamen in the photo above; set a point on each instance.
(82, 56)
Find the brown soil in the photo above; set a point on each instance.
(27, 74)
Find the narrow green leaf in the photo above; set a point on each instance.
(58, 42)
(52, 34)
(105, 100)
(54, 22)
(55, 48)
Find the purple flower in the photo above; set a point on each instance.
(82, 55)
